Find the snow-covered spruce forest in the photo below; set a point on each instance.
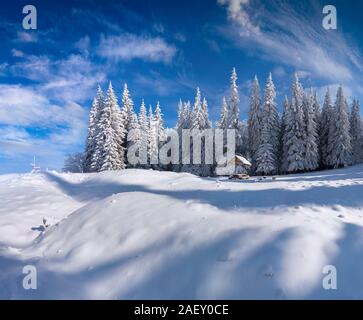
(304, 138)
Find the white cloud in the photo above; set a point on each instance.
(238, 13)
(27, 36)
(156, 83)
(72, 79)
(23, 106)
(277, 32)
(128, 46)
(303, 74)
(62, 127)
(45, 118)
(18, 148)
(13, 134)
(83, 44)
(17, 53)
(279, 72)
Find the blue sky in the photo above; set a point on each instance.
(163, 50)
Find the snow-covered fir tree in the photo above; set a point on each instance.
(294, 135)
(271, 123)
(339, 140)
(184, 122)
(324, 129)
(265, 155)
(199, 117)
(159, 123)
(311, 136)
(160, 129)
(254, 122)
(316, 107)
(179, 122)
(234, 111)
(208, 124)
(91, 153)
(222, 123)
(129, 117)
(111, 134)
(233, 106)
(153, 149)
(243, 133)
(356, 132)
(283, 136)
(143, 131)
(187, 116)
(199, 120)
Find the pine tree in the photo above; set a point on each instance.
(233, 121)
(198, 117)
(270, 120)
(222, 124)
(265, 155)
(208, 124)
(160, 130)
(254, 122)
(159, 122)
(153, 150)
(243, 133)
(294, 135)
(311, 142)
(233, 112)
(356, 132)
(91, 153)
(144, 131)
(198, 120)
(128, 116)
(187, 116)
(179, 123)
(111, 134)
(339, 141)
(317, 111)
(182, 115)
(324, 129)
(283, 144)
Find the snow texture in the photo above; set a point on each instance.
(142, 234)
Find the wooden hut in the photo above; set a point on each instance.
(241, 167)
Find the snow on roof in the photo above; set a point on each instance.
(243, 160)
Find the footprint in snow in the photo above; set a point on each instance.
(337, 208)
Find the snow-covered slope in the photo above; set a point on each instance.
(147, 234)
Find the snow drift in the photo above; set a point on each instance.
(138, 234)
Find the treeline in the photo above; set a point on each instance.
(304, 138)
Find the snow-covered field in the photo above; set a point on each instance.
(150, 235)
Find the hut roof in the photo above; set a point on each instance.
(239, 160)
